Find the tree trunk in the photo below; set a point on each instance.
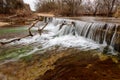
(111, 9)
(96, 9)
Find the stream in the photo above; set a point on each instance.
(83, 36)
(31, 57)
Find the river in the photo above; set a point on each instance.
(54, 43)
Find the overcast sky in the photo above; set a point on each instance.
(31, 2)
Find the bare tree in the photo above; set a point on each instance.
(109, 4)
(9, 6)
(46, 5)
(97, 4)
(73, 5)
(106, 7)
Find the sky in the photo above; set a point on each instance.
(31, 3)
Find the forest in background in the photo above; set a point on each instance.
(80, 7)
(14, 7)
(107, 8)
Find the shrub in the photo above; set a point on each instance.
(117, 14)
(47, 7)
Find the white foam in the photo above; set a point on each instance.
(49, 39)
(54, 37)
(72, 41)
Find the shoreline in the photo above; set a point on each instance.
(2, 24)
(69, 63)
(17, 20)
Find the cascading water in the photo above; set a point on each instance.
(71, 33)
(102, 33)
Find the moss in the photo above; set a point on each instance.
(27, 58)
(14, 52)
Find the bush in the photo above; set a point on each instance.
(64, 12)
(12, 6)
(117, 14)
(47, 7)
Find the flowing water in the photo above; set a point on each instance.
(75, 33)
(100, 32)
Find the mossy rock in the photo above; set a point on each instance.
(14, 52)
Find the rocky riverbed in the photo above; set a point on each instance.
(66, 64)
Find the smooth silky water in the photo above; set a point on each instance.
(82, 35)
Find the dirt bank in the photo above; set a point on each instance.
(45, 14)
(4, 24)
(16, 19)
(83, 67)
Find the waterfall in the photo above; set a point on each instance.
(100, 32)
(68, 33)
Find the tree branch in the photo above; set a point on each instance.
(17, 39)
(40, 30)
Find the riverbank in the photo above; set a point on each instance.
(84, 65)
(10, 20)
(4, 24)
(96, 19)
(27, 20)
(71, 64)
